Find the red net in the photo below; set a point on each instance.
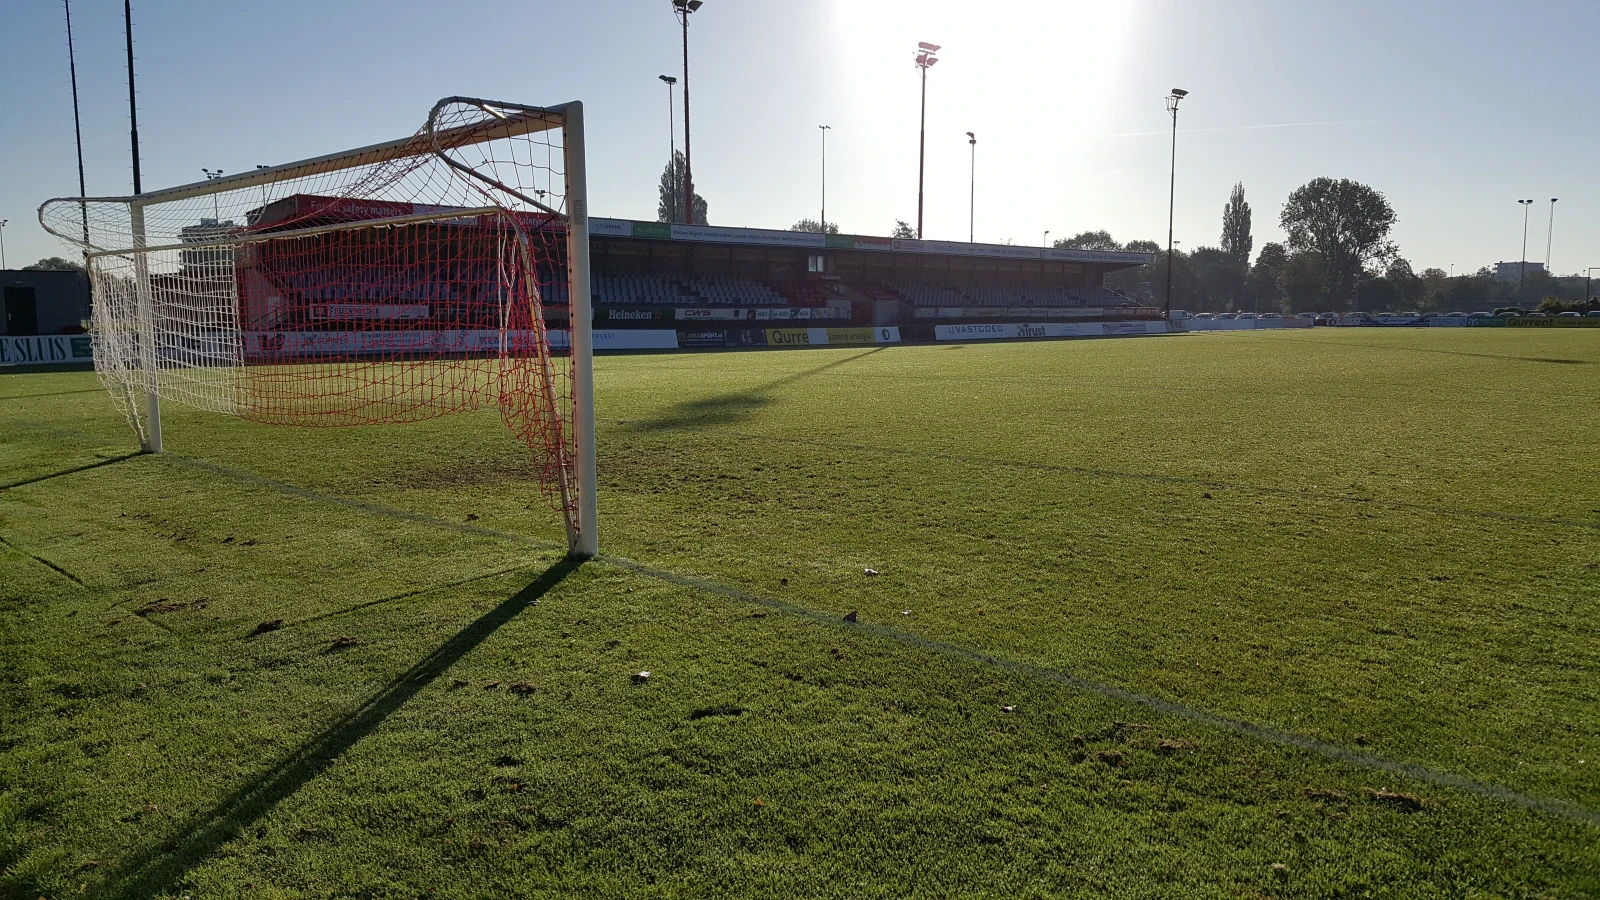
(396, 284)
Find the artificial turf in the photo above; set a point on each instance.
(1299, 614)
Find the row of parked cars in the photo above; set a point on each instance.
(1361, 318)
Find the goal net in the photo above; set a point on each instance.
(435, 274)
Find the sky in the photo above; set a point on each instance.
(1454, 110)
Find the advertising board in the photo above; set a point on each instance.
(45, 349)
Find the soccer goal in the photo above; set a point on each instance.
(439, 273)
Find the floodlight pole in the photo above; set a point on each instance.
(1588, 277)
(133, 105)
(1549, 234)
(682, 9)
(925, 60)
(1522, 262)
(3, 242)
(77, 127)
(825, 129)
(972, 199)
(672, 133)
(1173, 99)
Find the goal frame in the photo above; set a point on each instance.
(583, 540)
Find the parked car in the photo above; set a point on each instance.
(1456, 315)
(1244, 316)
(1227, 316)
(1325, 319)
(1594, 314)
(1204, 316)
(1569, 315)
(1357, 318)
(1311, 316)
(1180, 314)
(1270, 316)
(1536, 315)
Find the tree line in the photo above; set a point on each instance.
(1337, 256)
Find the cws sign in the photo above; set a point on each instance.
(45, 349)
(814, 337)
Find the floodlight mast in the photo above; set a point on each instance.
(1173, 99)
(672, 134)
(972, 199)
(925, 60)
(683, 9)
(1522, 262)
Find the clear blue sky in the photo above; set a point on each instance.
(1453, 109)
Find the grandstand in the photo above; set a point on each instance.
(644, 275)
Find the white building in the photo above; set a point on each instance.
(1512, 271)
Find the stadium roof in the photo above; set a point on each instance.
(711, 234)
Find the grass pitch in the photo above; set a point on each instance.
(1300, 614)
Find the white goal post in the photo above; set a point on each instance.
(438, 273)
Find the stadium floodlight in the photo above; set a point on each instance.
(925, 60)
(210, 176)
(1173, 99)
(672, 133)
(824, 221)
(972, 199)
(3, 223)
(320, 309)
(682, 9)
(1522, 262)
(1550, 235)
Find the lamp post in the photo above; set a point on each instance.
(1550, 233)
(1588, 277)
(133, 106)
(1522, 262)
(77, 127)
(1173, 99)
(211, 175)
(925, 60)
(682, 9)
(825, 129)
(672, 132)
(1045, 241)
(3, 242)
(972, 201)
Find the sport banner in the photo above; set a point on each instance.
(632, 315)
(798, 337)
(45, 349)
(704, 337)
(1553, 322)
(484, 341)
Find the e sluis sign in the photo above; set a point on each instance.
(45, 349)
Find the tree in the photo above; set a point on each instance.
(1141, 247)
(1345, 223)
(670, 209)
(1304, 280)
(1221, 278)
(1406, 282)
(1236, 240)
(1265, 281)
(903, 230)
(54, 264)
(1089, 240)
(813, 226)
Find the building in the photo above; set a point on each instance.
(37, 303)
(1513, 271)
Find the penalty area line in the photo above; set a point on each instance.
(1558, 808)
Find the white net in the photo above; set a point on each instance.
(394, 283)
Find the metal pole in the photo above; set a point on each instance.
(1522, 272)
(825, 129)
(1172, 203)
(672, 142)
(587, 542)
(133, 105)
(3, 242)
(144, 308)
(922, 149)
(1549, 234)
(688, 171)
(77, 127)
(972, 199)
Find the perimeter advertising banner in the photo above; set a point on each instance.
(485, 342)
(1553, 322)
(45, 349)
(632, 315)
(1004, 330)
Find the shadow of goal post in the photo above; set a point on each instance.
(475, 162)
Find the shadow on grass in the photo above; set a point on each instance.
(159, 868)
(735, 407)
(72, 471)
(1537, 359)
(93, 390)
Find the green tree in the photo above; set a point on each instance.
(1089, 240)
(54, 264)
(1345, 223)
(903, 230)
(1236, 240)
(813, 226)
(1141, 247)
(1304, 281)
(1406, 282)
(1219, 276)
(670, 208)
(1265, 282)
